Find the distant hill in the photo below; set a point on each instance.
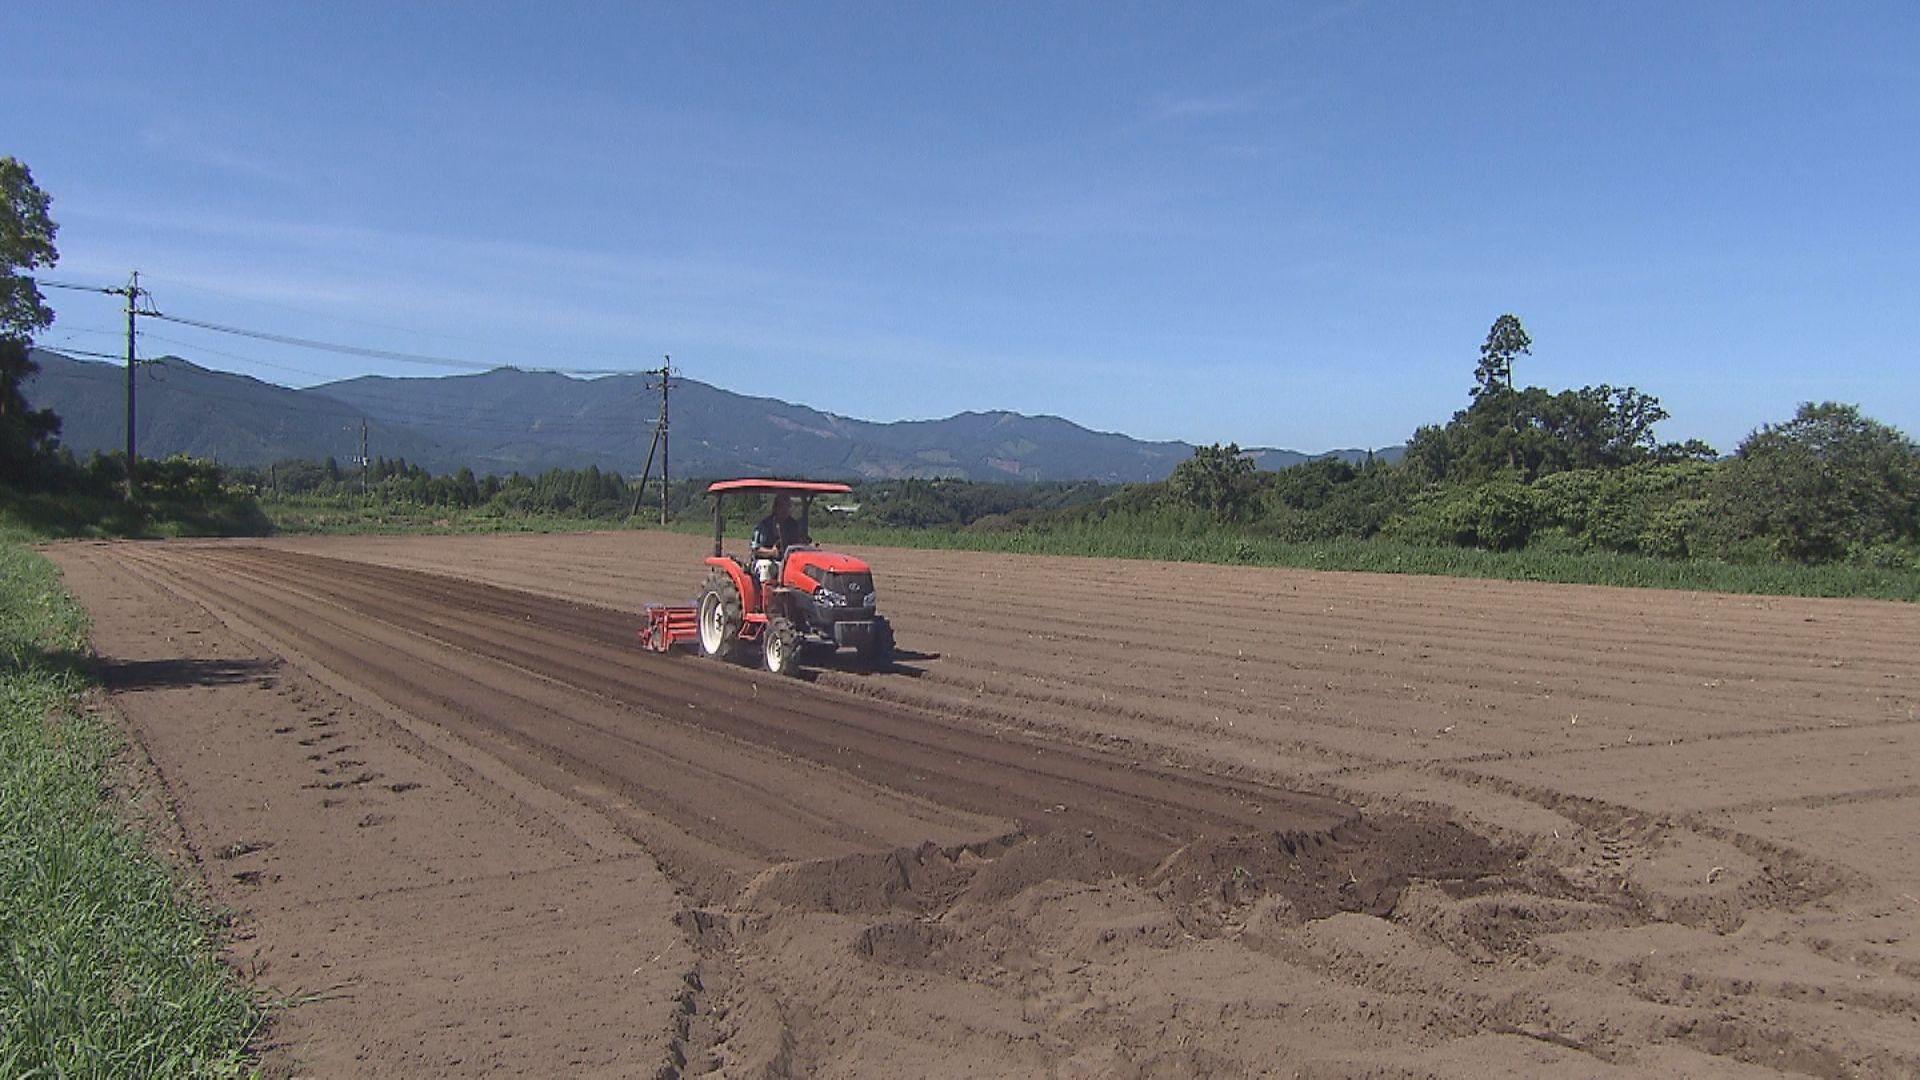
(508, 420)
(184, 408)
(531, 420)
(1272, 460)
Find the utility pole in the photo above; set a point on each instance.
(366, 463)
(666, 373)
(659, 445)
(133, 292)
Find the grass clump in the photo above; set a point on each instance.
(105, 970)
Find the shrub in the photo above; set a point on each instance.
(1499, 515)
(1816, 487)
(1627, 509)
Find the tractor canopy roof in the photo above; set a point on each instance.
(797, 487)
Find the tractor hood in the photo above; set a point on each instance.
(842, 582)
(831, 562)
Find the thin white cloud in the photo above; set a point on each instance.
(176, 140)
(1201, 107)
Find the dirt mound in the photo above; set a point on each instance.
(920, 878)
(1360, 866)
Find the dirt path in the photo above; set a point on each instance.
(1106, 818)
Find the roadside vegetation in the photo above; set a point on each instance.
(105, 968)
(178, 496)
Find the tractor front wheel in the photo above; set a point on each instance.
(878, 649)
(781, 640)
(720, 615)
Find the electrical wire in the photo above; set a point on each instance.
(234, 356)
(172, 283)
(83, 352)
(493, 425)
(376, 354)
(90, 330)
(78, 288)
(334, 347)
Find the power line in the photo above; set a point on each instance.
(310, 313)
(493, 424)
(76, 288)
(151, 336)
(64, 329)
(397, 356)
(65, 351)
(374, 354)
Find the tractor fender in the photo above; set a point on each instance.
(749, 588)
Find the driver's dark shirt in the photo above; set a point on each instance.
(777, 534)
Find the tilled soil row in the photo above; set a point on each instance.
(1142, 812)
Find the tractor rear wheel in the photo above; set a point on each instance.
(720, 615)
(781, 640)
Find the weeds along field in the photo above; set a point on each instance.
(105, 968)
(1103, 816)
(1541, 562)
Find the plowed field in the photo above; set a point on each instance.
(1101, 818)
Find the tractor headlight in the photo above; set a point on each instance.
(824, 595)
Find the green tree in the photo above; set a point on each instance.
(26, 434)
(1529, 432)
(1217, 479)
(26, 244)
(1818, 485)
(1506, 341)
(466, 490)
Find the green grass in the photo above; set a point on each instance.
(105, 970)
(1386, 557)
(1542, 562)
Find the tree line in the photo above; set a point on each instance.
(1579, 469)
(596, 494)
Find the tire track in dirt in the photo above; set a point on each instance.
(722, 814)
(1142, 812)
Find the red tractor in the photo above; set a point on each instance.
(783, 601)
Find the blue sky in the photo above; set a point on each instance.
(1275, 224)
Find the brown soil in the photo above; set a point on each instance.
(1102, 818)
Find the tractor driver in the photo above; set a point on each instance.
(776, 532)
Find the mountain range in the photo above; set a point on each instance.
(508, 420)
